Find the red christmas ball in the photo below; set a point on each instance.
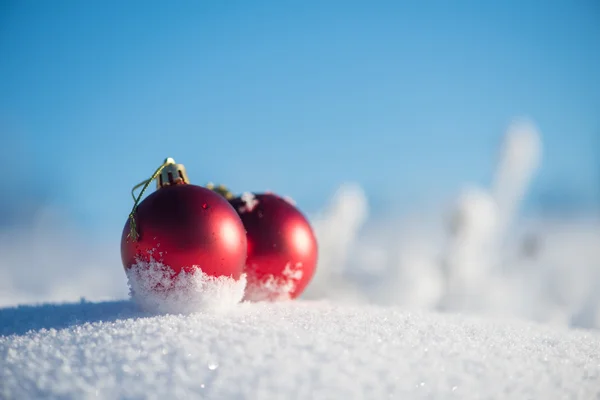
(282, 248)
(187, 227)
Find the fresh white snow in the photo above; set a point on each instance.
(154, 289)
(288, 350)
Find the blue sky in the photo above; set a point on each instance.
(409, 99)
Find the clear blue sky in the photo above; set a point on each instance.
(409, 99)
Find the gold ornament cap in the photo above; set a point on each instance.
(172, 174)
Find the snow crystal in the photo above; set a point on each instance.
(156, 288)
(291, 350)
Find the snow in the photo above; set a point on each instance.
(155, 288)
(463, 299)
(302, 349)
(273, 288)
(250, 202)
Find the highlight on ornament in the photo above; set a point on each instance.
(181, 242)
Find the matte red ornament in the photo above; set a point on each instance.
(186, 227)
(282, 248)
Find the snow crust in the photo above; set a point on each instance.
(288, 350)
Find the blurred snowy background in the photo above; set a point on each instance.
(449, 157)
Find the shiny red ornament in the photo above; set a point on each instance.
(186, 227)
(282, 248)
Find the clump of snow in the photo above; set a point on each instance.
(519, 159)
(273, 288)
(156, 288)
(293, 350)
(250, 202)
(289, 200)
(473, 216)
(337, 229)
(466, 261)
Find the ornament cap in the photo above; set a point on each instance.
(171, 174)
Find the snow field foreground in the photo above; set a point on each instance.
(288, 350)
